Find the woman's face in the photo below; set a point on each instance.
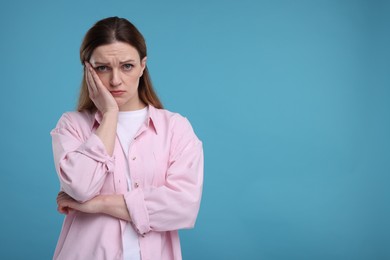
(119, 67)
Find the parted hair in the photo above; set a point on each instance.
(110, 30)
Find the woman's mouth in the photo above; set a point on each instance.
(117, 93)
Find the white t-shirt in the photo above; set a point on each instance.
(129, 122)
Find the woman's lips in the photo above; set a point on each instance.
(117, 93)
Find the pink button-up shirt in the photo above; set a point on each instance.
(166, 168)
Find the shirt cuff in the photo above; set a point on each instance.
(135, 202)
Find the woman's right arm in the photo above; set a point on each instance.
(83, 162)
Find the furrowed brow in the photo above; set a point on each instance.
(127, 61)
(101, 63)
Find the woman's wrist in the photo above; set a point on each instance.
(107, 130)
(107, 203)
(110, 113)
(102, 204)
(113, 205)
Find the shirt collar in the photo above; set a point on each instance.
(151, 118)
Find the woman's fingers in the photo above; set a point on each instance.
(92, 89)
(96, 80)
(63, 210)
(62, 195)
(93, 79)
(64, 203)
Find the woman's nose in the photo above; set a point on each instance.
(115, 78)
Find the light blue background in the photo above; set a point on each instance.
(291, 100)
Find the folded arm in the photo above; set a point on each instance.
(172, 206)
(113, 205)
(82, 162)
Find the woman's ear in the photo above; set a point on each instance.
(143, 65)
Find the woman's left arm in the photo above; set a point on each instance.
(113, 205)
(174, 205)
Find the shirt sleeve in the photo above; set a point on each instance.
(81, 161)
(174, 205)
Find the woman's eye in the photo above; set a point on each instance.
(127, 66)
(101, 68)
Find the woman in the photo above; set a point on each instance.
(131, 173)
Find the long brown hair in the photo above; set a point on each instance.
(110, 30)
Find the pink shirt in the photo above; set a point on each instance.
(166, 166)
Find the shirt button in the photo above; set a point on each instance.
(136, 185)
(134, 158)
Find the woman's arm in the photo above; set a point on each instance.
(175, 204)
(113, 205)
(172, 206)
(80, 157)
(82, 162)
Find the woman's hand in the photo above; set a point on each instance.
(106, 104)
(66, 204)
(98, 93)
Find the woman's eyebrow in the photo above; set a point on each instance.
(101, 63)
(126, 61)
(107, 63)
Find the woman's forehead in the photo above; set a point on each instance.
(117, 50)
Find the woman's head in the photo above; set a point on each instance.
(107, 32)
